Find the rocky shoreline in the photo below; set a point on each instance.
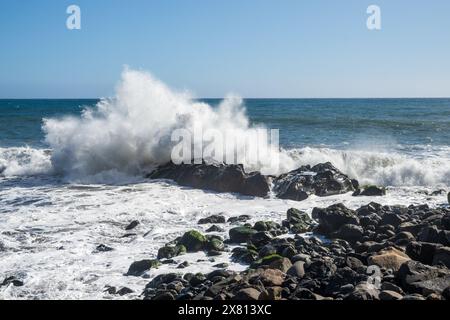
(373, 253)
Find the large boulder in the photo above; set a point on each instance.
(389, 258)
(370, 191)
(193, 241)
(138, 268)
(422, 251)
(321, 180)
(298, 221)
(333, 218)
(442, 257)
(241, 234)
(416, 277)
(215, 177)
(349, 232)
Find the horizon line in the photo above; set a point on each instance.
(250, 98)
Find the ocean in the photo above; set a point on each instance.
(72, 175)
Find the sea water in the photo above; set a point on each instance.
(72, 175)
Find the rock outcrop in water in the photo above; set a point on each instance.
(321, 180)
(215, 177)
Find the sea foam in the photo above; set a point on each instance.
(131, 133)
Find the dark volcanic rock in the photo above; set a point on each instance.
(103, 248)
(322, 180)
(193, 241)
(422, 251)
(370, 191)
(416, 277)
(349, 232)
(333, 218)
(132, 225)
(215, 177)
(442, 257)
(137, 268)
(298, 221)
(168, 252)
(241, 234)
(12, 280)
(212, 219)
(214, 228)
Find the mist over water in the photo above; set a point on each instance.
(131, 133)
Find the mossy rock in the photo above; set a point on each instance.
(137, 268)
(169, 252)
(295, 216)
(193, 241)
(267, 260)
(215, 244)
(241, 234)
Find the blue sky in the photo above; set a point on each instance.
(256, 48)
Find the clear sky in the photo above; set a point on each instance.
(255, 48)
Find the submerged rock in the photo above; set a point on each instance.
(212, 219)
(132, 225)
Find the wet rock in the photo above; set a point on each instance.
(215, 244)
(244, 255)
(298, 221)
(215, 177)
(333, 218)
(370, 191)
(349, 232)
(12, 280)
(168, 252)
(183, 265)
(132, 225)
(241, 218)
(390, 258)
(138, 268)
(215, 228)
(261, 238)
(241, 234)
(212, 219)
(193, 241)
(124, 291)
(322, 180)
(103, 248)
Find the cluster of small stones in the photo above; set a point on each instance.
(373, 253)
